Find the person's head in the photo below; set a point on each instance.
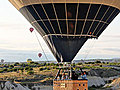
(84, 73)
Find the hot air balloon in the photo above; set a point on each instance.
(66, 25)
(39, 55)
(31, 29)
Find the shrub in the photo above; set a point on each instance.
(9, 70)
(21, 68)
(11, 66)
(39, 65)
(30, 68)
(44, 64)
(16, 64)
(55, 67)
(15, 69)
(79, 63)
(27, 68)
(57, 64)
(30, 72)
(32, 62)
(47, 64)
(23, 64)
(41, 69)
(1, 71)
(5, 69)
(107, 62)
(52, 64)
(36, 63)
(98, 61)
(48, 68)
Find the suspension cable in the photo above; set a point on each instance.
(41, 46)
(90, 48)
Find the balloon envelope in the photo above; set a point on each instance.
(39, 54)
(66, 26)
(31, 29)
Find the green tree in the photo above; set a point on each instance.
(27, 68)
(1, 71)
(4, 69)
(9, 70)
(23, 64)
(36, 63)
(52, 64)
(22, 69)
(48, 68)
(54, 67)
(32, 62)
(15, 69)
(98, 61)
(48, 64)
(30, 68)
(79, 63)
(41, 69)
(16, 64)
(30, 72)
(57, 64)
(11, 66)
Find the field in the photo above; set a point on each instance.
(35, 72)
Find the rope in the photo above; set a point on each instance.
(47, 17)
(86, 19)
(76, 19)
(70, 20)
(41, 46)
(66, 18)
(36, 35)
(90, 48)
(57, 18)
(94, 18)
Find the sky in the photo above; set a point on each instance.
(17, 43)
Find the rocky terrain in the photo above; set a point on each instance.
(7, 85)
(96, 78)
(115, 85)
(104, 72)
(104, 79)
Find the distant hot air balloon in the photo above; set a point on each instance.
(39, 54)
(31, 29)
(66, 25)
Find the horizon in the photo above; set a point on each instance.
(91, 59)
(19, 44)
